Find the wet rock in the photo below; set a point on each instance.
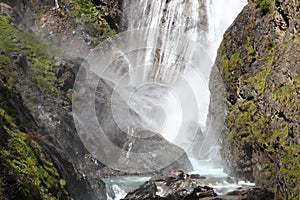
(174, 185)
(147, 154)
(19, 59)
(66, 71)
(145, 191)
(169, 177)
(197, 176)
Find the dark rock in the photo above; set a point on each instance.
(151, 158)
(259, 194)
(19, 59)
(7, 10)
(174, 185)
(237, 192)
(196, 176)
(201, 192)
(145, 191)
(66, 70)
(170, 177)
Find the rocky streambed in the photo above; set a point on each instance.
(177, 185)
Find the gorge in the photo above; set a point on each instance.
(97, 96)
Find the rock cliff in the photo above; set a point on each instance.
(258, 63)
(41, 154)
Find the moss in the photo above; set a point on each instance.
(279, 149)
(286, 95)
(251, 54)
(240, 121)
(228, 68)
(28, 172)
(258, 81)
(38, 54)
(296, 81)
(268, 173)
(234, 59)
(283, 94)
(2, 189)
(265, 166)
(265, 5)
(262, 129)
(70, 94)
(86, 11)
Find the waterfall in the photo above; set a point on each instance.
(220, 15)
(158, 71)
(170, 75)
(164, 74)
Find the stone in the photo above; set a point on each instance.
(261, 98)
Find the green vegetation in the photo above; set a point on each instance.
(258, 81)
(283, 94)
(70, 94)
(37, 55)
(86, 11)
(258, 135)
(250, 50)
(241, 119)
(228, 66)
(265, 5)
(26, 173)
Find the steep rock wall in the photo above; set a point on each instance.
(258, 63)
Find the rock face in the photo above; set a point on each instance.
(73, 27)
(36, 84)
(142, 151)
(36, 93)
(259, 65)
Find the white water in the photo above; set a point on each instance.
(176, 65)
(179, 108)
(220, 16)
(170, 72)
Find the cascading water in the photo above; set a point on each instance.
(177, 104)
(171, 29)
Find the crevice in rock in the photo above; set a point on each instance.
(282, 115)
(284, 16)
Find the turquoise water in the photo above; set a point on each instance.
(118, 187)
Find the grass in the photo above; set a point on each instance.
(38, 55)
